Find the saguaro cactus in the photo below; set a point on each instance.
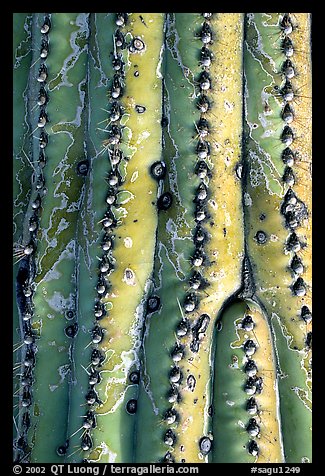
(162, 237)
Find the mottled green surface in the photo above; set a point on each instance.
(295, 401)
(21, 168)
(56, 247)
(157, 362)
(181, 88)
(134, 236)
(93, 207)
(262, 127)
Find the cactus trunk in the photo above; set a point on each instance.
(162, 236)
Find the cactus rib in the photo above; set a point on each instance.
(277, 209)
(245, 422)
(136, 191)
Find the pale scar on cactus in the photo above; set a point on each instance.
(162, 237)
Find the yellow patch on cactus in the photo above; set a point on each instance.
(225, 248)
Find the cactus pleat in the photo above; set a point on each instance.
(162, 237)
(21, 135)
(278, 202)
(224, 249)
(53, 279)
(245, 420)
(175, 245)
(135, 212)
(223, 258)
(90, 229)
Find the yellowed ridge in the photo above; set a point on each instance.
(225, 249)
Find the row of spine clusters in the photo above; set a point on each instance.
(109, 223)
(293, 209)
(253, 385)
(26, 272)
(197, 282)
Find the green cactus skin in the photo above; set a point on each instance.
(101, 203)
(224, 251)
(22, 171)
(21, 167)
(172, 271)
(224, 248)
(25, 147)
(89, 228)
(54, 281)
(268, 229)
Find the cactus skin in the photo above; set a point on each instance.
(225, 246)
(182, 64)
(265, 198)
(155, 241)
(174, 241)
(21, 168)
(268, 142)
